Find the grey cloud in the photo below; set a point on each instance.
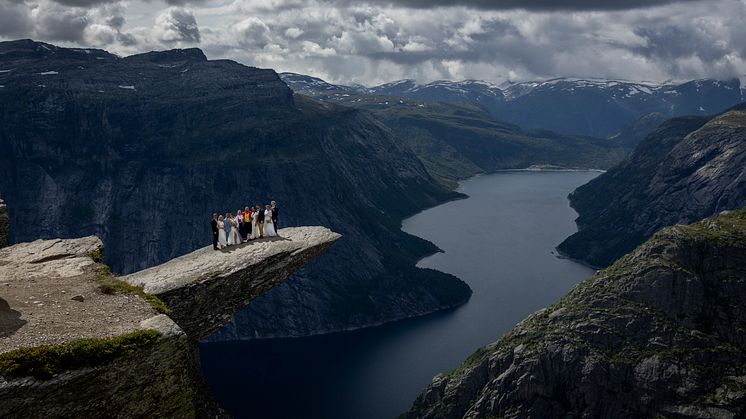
(61, 23)
(177, 25)
(84, 3)
(15, 19)
(524, 4)
(115, 22)
(670, 41)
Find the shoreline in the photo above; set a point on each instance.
(460, 196)
(346, 330)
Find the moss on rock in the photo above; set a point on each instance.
(43, 362)
(109, 284)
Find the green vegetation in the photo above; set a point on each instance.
(472, 361)
(458, 141)
(728, 229)
(109, 284)
(98, 255)
(43, 362)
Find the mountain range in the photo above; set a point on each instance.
(141, 150)
(458, 140)
(571, 106)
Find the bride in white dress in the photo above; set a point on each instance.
(233, 236)
(222, 237)
(269, 226)
(254, 229)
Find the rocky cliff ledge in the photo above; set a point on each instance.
(4, 223)
(75, 341)
(204, 289)
(661, 333)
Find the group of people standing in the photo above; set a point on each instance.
(249, 224)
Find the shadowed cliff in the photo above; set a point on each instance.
(686, 169)
(658, 334)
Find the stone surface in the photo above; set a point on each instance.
(42, 285)
(205, 288)
(658, 334)
(685, 170)
(162, 380)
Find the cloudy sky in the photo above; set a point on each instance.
(374, 41)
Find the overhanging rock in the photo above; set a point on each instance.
(205, 288)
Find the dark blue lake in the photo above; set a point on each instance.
(500, 241)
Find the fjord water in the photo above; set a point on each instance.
(500, 241)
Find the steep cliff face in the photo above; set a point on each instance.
(4, 224)
(632, 134)
(142, 150)
(685, 170)
(658, 334)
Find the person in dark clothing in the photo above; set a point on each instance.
(276, 216)
(260, 220)
(214, 225)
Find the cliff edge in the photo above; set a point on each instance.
(76, 341)
(685, 170)
(661, 333)
(4, 223)
(205, 288)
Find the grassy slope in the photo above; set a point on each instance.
(458, 141)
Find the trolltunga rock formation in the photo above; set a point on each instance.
(75, 341)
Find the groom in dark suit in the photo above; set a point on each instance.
(275, 216)
(260, 220)
(214, 225)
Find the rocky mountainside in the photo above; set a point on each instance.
(457, 141)
(597, 108)
(685, 170)
(658, 334)
(141, 150)
(633, 133)
(602, 107)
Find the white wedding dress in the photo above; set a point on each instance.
(222, 238)
(233, 236)
(269, 226)
(254, 230)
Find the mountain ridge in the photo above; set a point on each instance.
(572, 106)
(686, 169)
